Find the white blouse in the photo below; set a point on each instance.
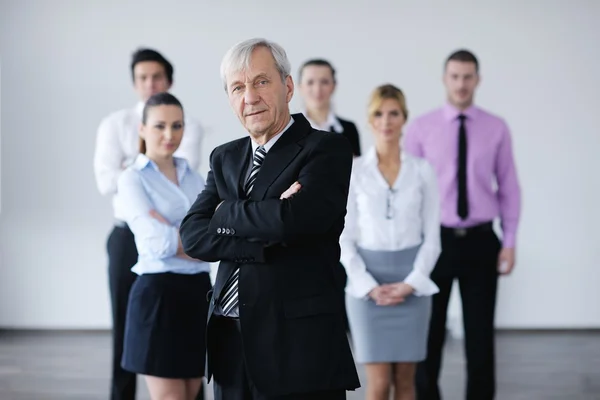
(391, 219)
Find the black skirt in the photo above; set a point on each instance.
(165, 331)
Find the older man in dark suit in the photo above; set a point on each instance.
(272, 213)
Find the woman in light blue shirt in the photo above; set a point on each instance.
(167, 311)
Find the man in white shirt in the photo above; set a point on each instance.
(117, 145)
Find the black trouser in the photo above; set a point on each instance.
(231, 381)
(342, 279)
(472, 258)
(122, 256)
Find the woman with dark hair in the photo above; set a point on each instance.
(317, 84)
(167, 310)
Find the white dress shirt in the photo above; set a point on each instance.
(390, 219)
(331, 123)
(142, 187)
(117, 146)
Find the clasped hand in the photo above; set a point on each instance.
(391, 294)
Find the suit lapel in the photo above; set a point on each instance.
(280, 156)
(239, 157)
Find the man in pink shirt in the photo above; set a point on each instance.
(471, 152)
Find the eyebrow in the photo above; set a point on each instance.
(258, 76)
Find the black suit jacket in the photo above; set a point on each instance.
(351, 133)
(287, 250)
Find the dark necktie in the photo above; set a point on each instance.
(229, 301)
(463, 203)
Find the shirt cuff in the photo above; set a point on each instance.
(172, 243)
(509, 240)
(362, 285)
(423, 285)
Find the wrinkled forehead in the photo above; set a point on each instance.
(257, 64)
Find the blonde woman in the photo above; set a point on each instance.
(390, 244)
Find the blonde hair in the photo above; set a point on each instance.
(385, 92)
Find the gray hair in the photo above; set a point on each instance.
(239, 56)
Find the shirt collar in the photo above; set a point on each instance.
(267, 146)
(451, 112)
(139, 108)
(142, 161)
(332, 122)
(370, 157)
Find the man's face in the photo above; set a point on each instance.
(461, 79)
(149, 78)
(259, 97)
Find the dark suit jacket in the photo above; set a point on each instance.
(290, 310)
(351, 133)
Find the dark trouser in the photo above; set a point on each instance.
(231, 381)
(122, 256)
(342, 279)
(473, 260)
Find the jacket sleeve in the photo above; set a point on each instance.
(314, 210)
(211, 245)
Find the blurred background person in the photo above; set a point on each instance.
(471, 151)
(117, 145)
(390, 244)
(317, 84)
(168, 308)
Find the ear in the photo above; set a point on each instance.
(289, 84)
(141, 131)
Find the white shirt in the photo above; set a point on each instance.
(142, 187)
(331, 122)
(267, 146)
(412, 218)
(117, 146)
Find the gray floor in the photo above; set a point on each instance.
(531, 366)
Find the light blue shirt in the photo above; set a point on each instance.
(142, 188)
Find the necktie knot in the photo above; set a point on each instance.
(462, 117)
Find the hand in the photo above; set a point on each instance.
(396, 294)
(379, 293)
(154, 214)
(295, 188)
(506, 261)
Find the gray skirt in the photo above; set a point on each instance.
(387, 334)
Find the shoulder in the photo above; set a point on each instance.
(218, 152)
(492, 119)
(189, 172)
(131, 176)
(115, 118)
(432, 116)
(330, 141)
(347, 124)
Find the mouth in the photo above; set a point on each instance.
(255, 113)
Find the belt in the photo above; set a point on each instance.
(462, 232)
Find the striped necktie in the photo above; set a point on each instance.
(229, 300)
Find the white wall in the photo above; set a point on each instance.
(65, 66)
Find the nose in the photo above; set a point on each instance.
(251, 96)
(168, 134)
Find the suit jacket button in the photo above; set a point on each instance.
(218, 230)
(227, 231)
(232, 231)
